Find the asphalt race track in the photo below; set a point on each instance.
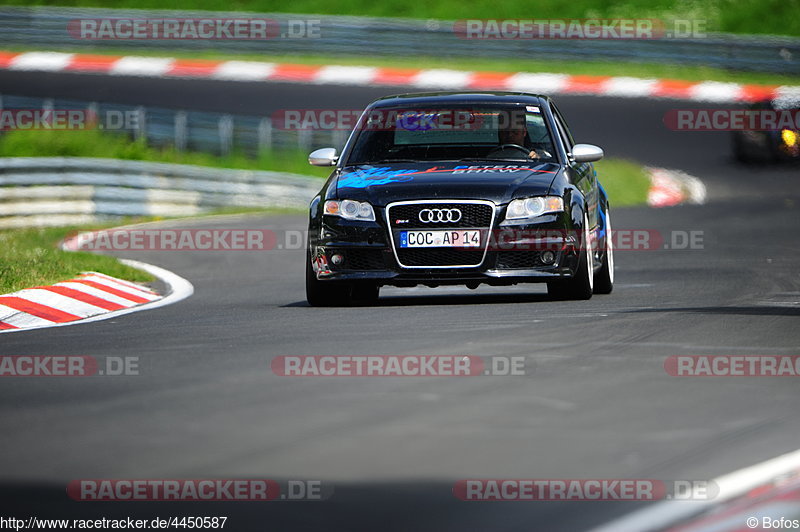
(596, 403)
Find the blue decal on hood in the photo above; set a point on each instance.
(374, 176)
(384, 175)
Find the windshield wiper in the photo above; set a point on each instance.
(384, 161)
(478, 159)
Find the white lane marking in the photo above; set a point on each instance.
(350, 75)
(671, 187)
(694, 187)
(730, 486)
(734, 521)
(629, 87)
(141, 66)
(21, 319)
(113, 284)
(791, 92)
(179, 289)
(715, 91)
(442, 78)
(623, 86)
(42, 61)
(96, 292)
(244, 70)
(125, 283)
(59, 302)
(538, 82)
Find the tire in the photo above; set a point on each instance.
(325, 294)
(604, 277)
(740, 152)
(364, 294)
(749, 153)
(580, 286)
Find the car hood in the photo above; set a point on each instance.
(498, 182)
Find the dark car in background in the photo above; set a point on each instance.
(769, 145)
(459, 188)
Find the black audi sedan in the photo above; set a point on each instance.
(459, 188)
(776, 137)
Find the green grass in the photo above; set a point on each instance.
(511, 65)
(777, 17)
(30, 257)
(625, 182)
(94, 143)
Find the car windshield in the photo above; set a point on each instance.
(464, 133)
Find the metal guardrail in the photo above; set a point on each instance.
(68, 190)
(187, 130)
(46, 27)
(39, 191)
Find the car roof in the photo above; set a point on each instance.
(460, 97)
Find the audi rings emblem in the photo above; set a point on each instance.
(427, 216)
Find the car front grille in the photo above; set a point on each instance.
(439, 257)
(364, 259)
(473, 215)
(517, 260)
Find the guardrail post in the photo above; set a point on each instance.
(225, 127)
(181, 137)
(304, 139)
(141, 122)
(264, 135)
(93, 117)
(338, 138)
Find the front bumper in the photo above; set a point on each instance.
(361, 251)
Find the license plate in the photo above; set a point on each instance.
(440, 239)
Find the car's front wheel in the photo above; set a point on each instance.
(580, 285)
(324, 294)
(337, 293)
(604, 277)
(365, 293)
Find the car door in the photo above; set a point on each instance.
(586, 176)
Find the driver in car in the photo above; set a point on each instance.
(517, 134)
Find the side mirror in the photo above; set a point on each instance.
(586, 153)
(323, 157)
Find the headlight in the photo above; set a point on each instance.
(350, 210)
(789, 137)
(522, 209)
